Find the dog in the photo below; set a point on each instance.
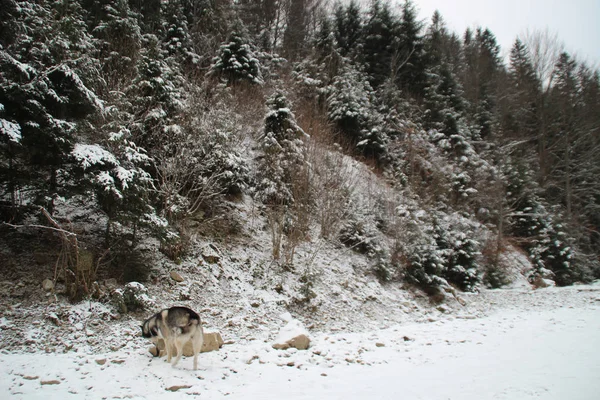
(176, 326)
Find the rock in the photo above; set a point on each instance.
(540, 283)
(50, 382)
(134, 296)
(111, 283)
(212, 341)
(47, 285)
(54, 319)
(176, 277)
(185, 294)
(294, 334)
(116, 347)
(175, 388)
(211, 254)
(443, 308)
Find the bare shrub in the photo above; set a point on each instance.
(201, 167)
(496, 274)
(332, 180)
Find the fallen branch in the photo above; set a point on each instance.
(60, 230)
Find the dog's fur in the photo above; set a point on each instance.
(176, 326)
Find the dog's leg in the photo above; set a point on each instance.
(179, 348)
(197, 341)
(168, 349)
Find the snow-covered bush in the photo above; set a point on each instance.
(360, 236)
(133, 297)
(437, 248)
(236, 61)
(350, 106)
(546, 240)
(332, 179)
(282, 178)
(40, 114)
(284, 153)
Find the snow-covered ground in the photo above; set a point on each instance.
(521, 344)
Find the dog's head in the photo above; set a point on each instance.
(149, 329)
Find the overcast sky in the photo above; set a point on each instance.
(577, 22)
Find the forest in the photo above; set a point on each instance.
(157, 118)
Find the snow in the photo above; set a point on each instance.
(533, 344)
(292, 329)
(89, 155)
(10, 129)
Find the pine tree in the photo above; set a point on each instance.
(176, 37)
(150, 14)
(282, 175)
(296, 29)
(9, 13)
(236, 61)
(43, 100)
(40, 111)
(549, 247)
(521, 114)
(380, 42)
(481, 75)
(156, 99)
(443, 95)
(409, 58)
(348, 27)
(120, 36)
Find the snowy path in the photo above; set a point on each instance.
(512, 354)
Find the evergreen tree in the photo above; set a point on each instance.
(156, 99)
(409, 57)
(281, 170)
(443, 95)
(549, 247)
(176, 39)
(380, 42)
(236, 61)
(9, 13)
(296, 29)
(282, 143)
(348, 27)
(444, 102)
(120, 47)
(150, 14)
(328, 59)
(521, 111)
(481, 76)
(40, 111)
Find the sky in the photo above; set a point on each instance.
(576, 22)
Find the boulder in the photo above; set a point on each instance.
(212, 341)
(133, 296)
(293, 334)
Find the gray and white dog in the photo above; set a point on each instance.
(176, 326)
